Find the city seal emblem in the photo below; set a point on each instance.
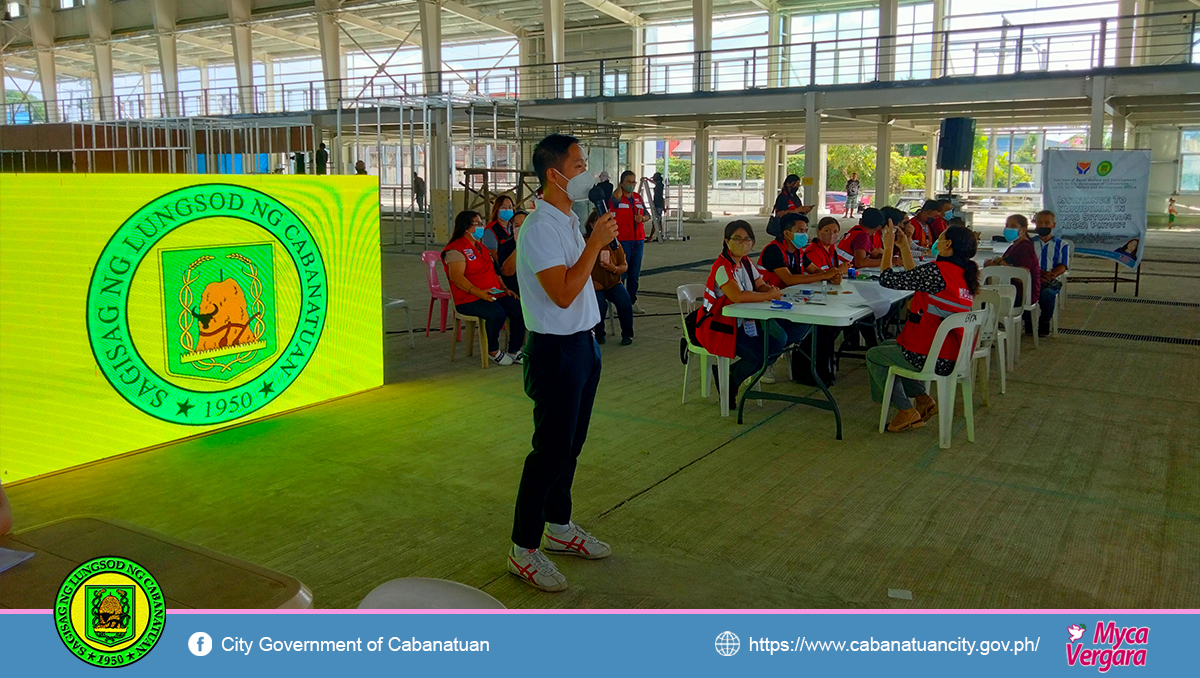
(110, 612)
(226, 318)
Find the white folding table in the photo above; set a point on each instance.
(844, 305)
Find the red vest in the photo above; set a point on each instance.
(628, 207)
(824, 258)
(922, 325)
(920, 234)
(845, 243)
(481, 272)
(935, 229)
(794, 261)
(793, 202)
(499, 230)
(716, 333)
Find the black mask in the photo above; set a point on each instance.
(1043, 230)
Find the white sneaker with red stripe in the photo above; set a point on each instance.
(536, 570)
(576, 542)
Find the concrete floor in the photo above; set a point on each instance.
(1080, 490)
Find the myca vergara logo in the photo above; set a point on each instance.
(227, 316)
(110, 612)
(1111, 646)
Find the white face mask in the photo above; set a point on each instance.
(578, 186)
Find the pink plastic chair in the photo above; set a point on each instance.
(436, 293)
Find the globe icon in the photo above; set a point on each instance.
(728, 644)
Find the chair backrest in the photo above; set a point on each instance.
(969, 323)
(1008, 297)
(1007, 274)
(432, 259)
(690, 298)
(990, 303)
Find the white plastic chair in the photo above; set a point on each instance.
(1008, 299)
(1006, 275)
(401, 303)
(690, 298)
(969, 323)
(990, 336)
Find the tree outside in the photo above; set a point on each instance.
(36, 110)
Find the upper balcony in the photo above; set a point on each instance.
(1169, 41)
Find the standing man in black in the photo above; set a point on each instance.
(322, 159)
(418, 187)
(562, 361)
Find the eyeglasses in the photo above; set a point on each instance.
(739, 239)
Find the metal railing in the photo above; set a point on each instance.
(1080, 45)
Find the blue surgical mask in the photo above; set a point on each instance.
(506, 215)
(1011, 234)
(948, 215)
(933, 250)
(800, 239)
(477, 233)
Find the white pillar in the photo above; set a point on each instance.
(938, 67)
(886, 60)
(529, 74)
(702, 19)
(819, 182)
(1096, 128)
(1125, 32)
(772, 179)
(41, 27)
(168, 61)
(812, 147)
(989, 180)
(1118, 133)
(269, 82)
(99, 16)
(243, 55)
(331, 50)
(637, 73)
(775, 48)
(431, 45)
(553, 47)
(700, 174)
(883, 162)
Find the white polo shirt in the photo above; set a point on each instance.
(549, 238)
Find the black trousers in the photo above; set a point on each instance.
(561, 375)
(494, 313)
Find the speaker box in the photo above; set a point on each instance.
(956, 144)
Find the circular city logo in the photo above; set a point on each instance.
(728, 643)
(110, 612)
(1104, 168)
(214, 329)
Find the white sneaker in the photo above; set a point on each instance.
(518, 357)
(768, 377)
(637, 310)
(502, 358)
(576, 542)
(536, 570)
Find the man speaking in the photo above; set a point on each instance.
(562, 361)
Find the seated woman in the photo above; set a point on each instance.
(822, 253)
(943, 287)
(733, 280)
(506, 256)
(606, 280)
(1020, 254)
(499, 227)
(477, 289)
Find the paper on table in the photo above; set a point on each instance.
(10, 558)
(873, 298)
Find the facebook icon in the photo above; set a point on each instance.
(200, 643)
